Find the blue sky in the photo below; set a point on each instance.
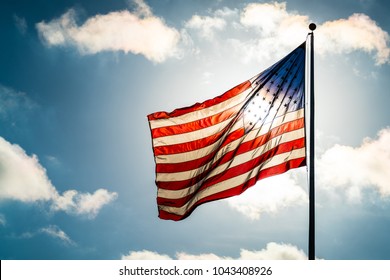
(78, 78)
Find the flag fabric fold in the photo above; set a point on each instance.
(223, 146)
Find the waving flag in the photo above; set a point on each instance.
(221, 147)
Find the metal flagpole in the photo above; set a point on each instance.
(312, 27)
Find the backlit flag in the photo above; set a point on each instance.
(221, 147)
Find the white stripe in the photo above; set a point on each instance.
(291, 116)
(201, 114)
(233, 182)
(196, 154)
(237, 160)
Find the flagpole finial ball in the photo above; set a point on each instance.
(312, 26)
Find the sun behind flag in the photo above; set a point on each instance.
(221, 147)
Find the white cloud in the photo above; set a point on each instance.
(83, 203)
(14, 103)
(267, 17)
(277, 30)
(53, 161)
(3, 220)
(355, 169)
(358, 32)
(141, 8)
(140, 33)
(206, 25)
(91, 204)
(24, 179)
(144, 255)
(21, 24)
(269, 196)
(52, 231)
(207, 78)
(56, 232)
(273, 251)
(209, 256)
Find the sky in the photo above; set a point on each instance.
(78, 78)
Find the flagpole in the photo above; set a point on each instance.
(312, 27)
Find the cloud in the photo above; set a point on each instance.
(3, 220)
(142, 9)
(353, 169)
(52, 231)
(53, 161)
(23, 178)
(272, 251)
(270, 19)
(21, 24)
(56, 232)
(209, 256)
(206, 25)
(14, 103)
(83, 203)
(269, 196)
(279, 27)
(358, 32)
(277, 30)
(253, 32)
(144, 255)
(139, 32)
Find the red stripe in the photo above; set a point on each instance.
(238, 189)
(195, 125)
(198, 144)
(199, 106)
(244, 147)
(231, 172)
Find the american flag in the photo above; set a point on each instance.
(221, 147)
